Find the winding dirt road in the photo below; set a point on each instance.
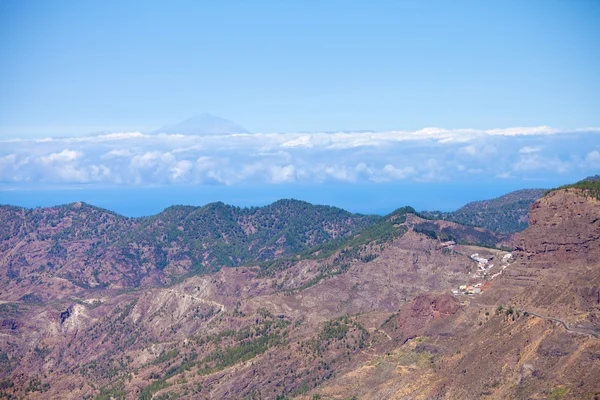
(587, 333)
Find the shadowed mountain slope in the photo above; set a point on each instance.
(506, 214)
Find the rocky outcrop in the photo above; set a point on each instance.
(419, 313)
(564, 227)
(556, 271)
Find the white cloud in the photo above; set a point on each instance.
(340, 173)
(214, 169)
(207, 163)
(110, 137)
(524, 131)
(99, 172)
(281, 174)
(151, 159)
(504, 175)
(9, 166)
(64, 156)
(348, 141)
(432, 170)
(118, 153)
(181, 169)
(398, 173)
(470, 150)
(535, 162)
(302, 141)
(363, 168)
(530, 150)
(429, 154)
(592, 159)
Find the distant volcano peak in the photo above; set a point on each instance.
(204, 124)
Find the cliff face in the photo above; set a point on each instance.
(557, 260)
(423, 311)
(564, 227)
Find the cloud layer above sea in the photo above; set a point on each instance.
(430, 154)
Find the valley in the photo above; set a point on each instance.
(334, 306)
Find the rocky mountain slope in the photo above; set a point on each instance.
(376, 316)
(507, 213)
(534, 332)
(68, 249)
(272, 330)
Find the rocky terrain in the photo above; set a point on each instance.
(372, 316)
(533, 333)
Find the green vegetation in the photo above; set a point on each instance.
(590, 187)
(116, 392)
(36, 385)
(336, 329)
(232, 347)
(343, 330)
(505, 214)
(244, 351)
(6, 384)
(459, 234)
(5, 362)
(422, 358)
(148, 392)
(250, 342)
(42, 352)
(10, 310)
(166, 356)
(558, 393)
(236, 236)
(389, 228)
(199, 239)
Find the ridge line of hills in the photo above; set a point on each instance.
(184, 206)
(507, 213)
(514, 203)
(92, 247)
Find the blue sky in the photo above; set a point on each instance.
(512, 87)
(273, 66)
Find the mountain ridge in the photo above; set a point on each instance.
(203, 125)
(92, 247)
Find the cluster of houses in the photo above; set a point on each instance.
(468, 289)
(448, 245)
(483, 267)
